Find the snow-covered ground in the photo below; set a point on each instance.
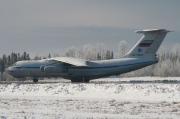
(114, 98)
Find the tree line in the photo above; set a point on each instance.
(168, 65)
(7, 60)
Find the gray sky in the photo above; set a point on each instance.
(43, 26)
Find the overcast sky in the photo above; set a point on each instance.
(43, 26)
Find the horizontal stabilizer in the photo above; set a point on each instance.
(152, 30)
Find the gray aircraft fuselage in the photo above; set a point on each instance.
(142, 54)
(95, 69)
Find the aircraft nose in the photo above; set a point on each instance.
(13, 71)
(9, 70)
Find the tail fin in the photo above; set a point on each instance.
(149, 42)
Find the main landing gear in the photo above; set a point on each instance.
(35, 80)
(80, 80)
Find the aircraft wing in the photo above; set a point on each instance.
(71, 60)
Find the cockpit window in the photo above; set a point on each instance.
(14, 64)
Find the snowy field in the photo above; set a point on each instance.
(108, 98)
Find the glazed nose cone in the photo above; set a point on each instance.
(9, 70)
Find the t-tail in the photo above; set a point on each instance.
(148, 44)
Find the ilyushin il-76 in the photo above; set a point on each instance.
(142, 54)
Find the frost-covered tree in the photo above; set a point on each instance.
(90, 52)
(71, 52)
(168, 65)
(122, 48)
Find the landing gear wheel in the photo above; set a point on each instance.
(80, 81)
(86, 81)
(35, 80)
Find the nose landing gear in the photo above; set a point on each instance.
(80, 80)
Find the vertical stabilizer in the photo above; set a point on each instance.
(149, 42)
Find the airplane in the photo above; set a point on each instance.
(142, 54)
